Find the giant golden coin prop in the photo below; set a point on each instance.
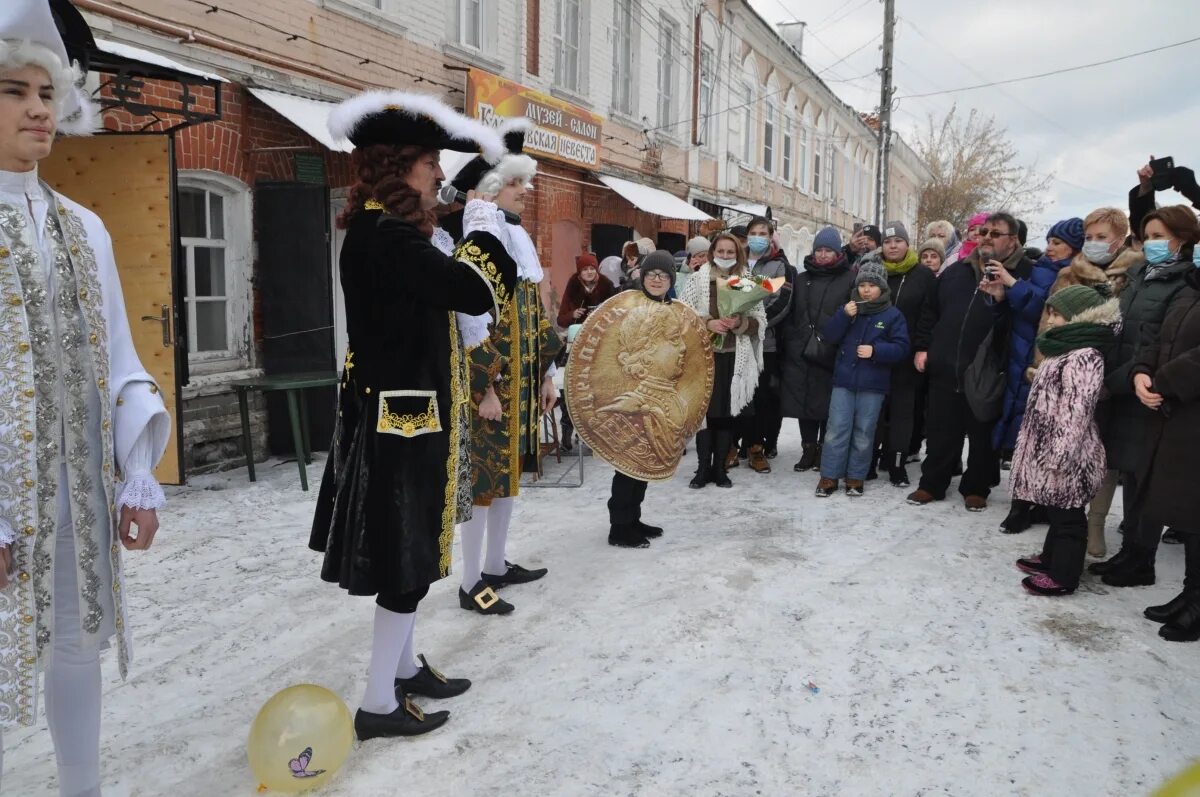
(638, 383)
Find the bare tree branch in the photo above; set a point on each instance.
(975, 167)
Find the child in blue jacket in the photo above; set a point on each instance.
(872, 337)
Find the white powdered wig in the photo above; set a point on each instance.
(77, 114)
(347, 115)
(513, 165)
(510, 168)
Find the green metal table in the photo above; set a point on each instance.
(293, 385)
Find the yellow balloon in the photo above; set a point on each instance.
(299, 739)
(1185, 784)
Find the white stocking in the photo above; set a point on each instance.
(391, 632)
(408, 666)
(499, 515)
(72, 675)
(471, 534)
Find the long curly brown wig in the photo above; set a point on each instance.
(382, 169)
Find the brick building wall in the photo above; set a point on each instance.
(243, 145)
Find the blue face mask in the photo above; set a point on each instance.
(1196, 256)
(1156, 251)
(757, 244)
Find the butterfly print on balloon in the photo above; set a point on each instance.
(299, 765)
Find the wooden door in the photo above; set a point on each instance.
(127, 181)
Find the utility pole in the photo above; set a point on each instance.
(885, 114)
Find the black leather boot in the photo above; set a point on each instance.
(897, 473)
(1100, 568)
(1136, 571)
(722, 442)
(1018, 519)
(625, 535)
(1167, 611)
(430, 683)
(811, 458)
(407, 720)
(648, 531)
(1185, 624)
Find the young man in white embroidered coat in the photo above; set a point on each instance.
(81, 425)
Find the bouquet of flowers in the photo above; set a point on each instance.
(738, 295)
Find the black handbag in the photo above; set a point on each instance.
(817, 352)
(985, 381)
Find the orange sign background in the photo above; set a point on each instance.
(563, 132)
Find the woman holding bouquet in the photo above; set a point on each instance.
(738, 356)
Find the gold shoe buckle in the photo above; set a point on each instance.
(413, 709)
(487, 598)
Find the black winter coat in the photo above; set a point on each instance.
(910, 292)
(958, 316)
(1143, 306)
(818, 292)
(387, 505)
(1167, 484)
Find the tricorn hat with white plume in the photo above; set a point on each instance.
(402, 118)
(53, 35)
(489, 174)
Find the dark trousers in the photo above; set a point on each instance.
(1141, 535)
(921, 403)
(950, 417)
(811, 431)
(763, 427)
(898, 419)
(1191, 558)
(1066, 544)
(625, 505)
(401, 602)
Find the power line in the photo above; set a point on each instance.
(291, 36)
(1054, 72)
(848, 14)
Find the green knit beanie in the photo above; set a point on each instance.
(1075, 299)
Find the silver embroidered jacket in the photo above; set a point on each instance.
(73, 396)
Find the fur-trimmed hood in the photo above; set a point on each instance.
(1108, 314)
(402, 117)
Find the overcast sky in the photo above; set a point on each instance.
(1091, 128)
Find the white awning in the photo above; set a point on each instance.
(149, 57)
(652, 200)
(311, 116)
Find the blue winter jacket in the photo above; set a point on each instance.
(1023, 304)
(886, 331)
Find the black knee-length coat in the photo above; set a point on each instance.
(386, 509)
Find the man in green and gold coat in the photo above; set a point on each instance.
(511, 387)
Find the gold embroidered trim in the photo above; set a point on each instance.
(408, 425)
(458, 397)
(372, 204)
(469, 252)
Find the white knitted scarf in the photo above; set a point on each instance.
(748, 358)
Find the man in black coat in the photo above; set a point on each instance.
(954, 322)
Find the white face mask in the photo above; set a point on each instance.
(1097, 252)
(725, 262)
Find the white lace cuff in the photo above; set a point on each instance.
(142, 491)
(552, 370)
(7, 535)
(473, 329)
(481, 216)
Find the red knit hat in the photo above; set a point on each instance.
(586, 260)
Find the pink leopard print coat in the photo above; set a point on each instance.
(1059, 459)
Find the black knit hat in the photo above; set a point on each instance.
(658, 260)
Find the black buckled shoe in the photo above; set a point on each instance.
(406, 720)
(483, 599)
(430, 683)
(650, 532)
(626, 535)
(514, 574)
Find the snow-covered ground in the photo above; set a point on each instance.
(676, 670)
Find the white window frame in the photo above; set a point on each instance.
(706, 69)
(817, 187)
(787, 172)
(625, 30)
(748, 102)
(802, 171)
(569, 49)
(237, 246)
(735, 121)
(770, 134)
(668, 35)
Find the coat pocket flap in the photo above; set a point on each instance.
(408, 413)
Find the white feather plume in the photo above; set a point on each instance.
(349, 113)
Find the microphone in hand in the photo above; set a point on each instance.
(449, 194)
